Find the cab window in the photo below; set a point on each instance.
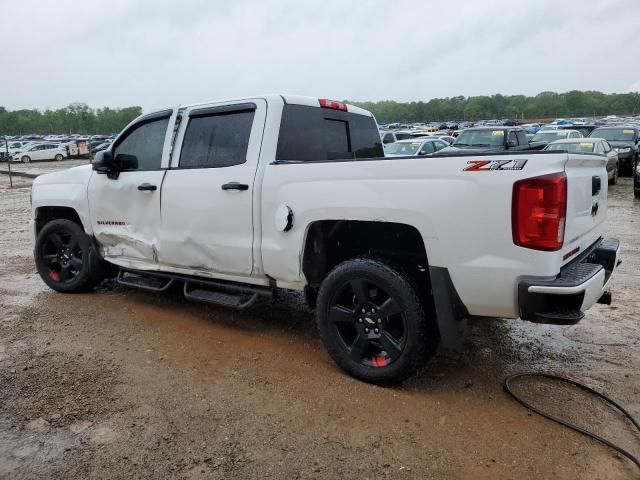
(141, 148)
(217, 140)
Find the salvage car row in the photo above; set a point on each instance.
(34, 148)
(619, 143)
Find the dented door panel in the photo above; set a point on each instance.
(125, 220)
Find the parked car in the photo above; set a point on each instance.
(544, 137)
(100, 147)
(636, 178)
(447, 138)
(625, 140)
(40, 151)
(403, 134)
(387, 137)
(598, 146)
(490, 139)
(282, 191)
(585, 130)
(415, 146)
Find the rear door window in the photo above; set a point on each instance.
(218, 140)
(315, 134)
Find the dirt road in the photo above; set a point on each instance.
(126, 384)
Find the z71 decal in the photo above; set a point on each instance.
(485, 165)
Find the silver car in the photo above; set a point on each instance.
(598, 146)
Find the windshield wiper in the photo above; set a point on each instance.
(480, 145)
(460, 145)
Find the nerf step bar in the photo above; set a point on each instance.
(226, 294)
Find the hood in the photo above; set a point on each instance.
(75, 175)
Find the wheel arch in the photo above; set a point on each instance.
(330, 242)
(45, 214)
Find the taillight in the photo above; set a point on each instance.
(539, 211)
(334, 104)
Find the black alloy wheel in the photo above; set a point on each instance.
(369, 322)
(66, 258)
(372, 320)
(63, 255)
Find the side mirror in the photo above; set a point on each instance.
(105, 163)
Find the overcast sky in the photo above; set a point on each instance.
(156, 53)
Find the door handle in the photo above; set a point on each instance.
(147, 187)
(235, 186)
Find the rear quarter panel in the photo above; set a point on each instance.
(464, 217)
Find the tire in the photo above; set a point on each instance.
(59, 158)
(67, 259)
(376, 349)
(25, 159)
(613, 180)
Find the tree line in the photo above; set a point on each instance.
(80, 118)
(76, 118)
(543, 105)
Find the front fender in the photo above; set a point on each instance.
(67, 188)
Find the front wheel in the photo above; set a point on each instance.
(59, 157)
(25, 159)
(372, 321)
(66, 259)
(614, 178)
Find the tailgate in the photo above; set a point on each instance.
(587, 184)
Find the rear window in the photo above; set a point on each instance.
(313, 134)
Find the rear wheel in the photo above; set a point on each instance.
(25, 159)
(59, 157)
(66, 258)
(372, 322)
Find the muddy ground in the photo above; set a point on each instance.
(124, 384)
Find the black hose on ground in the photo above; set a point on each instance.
(604, 441)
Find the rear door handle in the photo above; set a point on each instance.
(235, 186)
(147, 187)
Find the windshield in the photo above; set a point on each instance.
(480, 138)
(614, 134)
(550, 136)
(399, 148)
(577, 147)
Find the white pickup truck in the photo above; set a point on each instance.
(233, 200)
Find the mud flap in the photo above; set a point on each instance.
(451, 314)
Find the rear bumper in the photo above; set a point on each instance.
(581, 283)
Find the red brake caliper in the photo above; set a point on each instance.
(53, 275)
(379, 361)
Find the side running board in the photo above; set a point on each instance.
(145, 282)
(226, 294)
